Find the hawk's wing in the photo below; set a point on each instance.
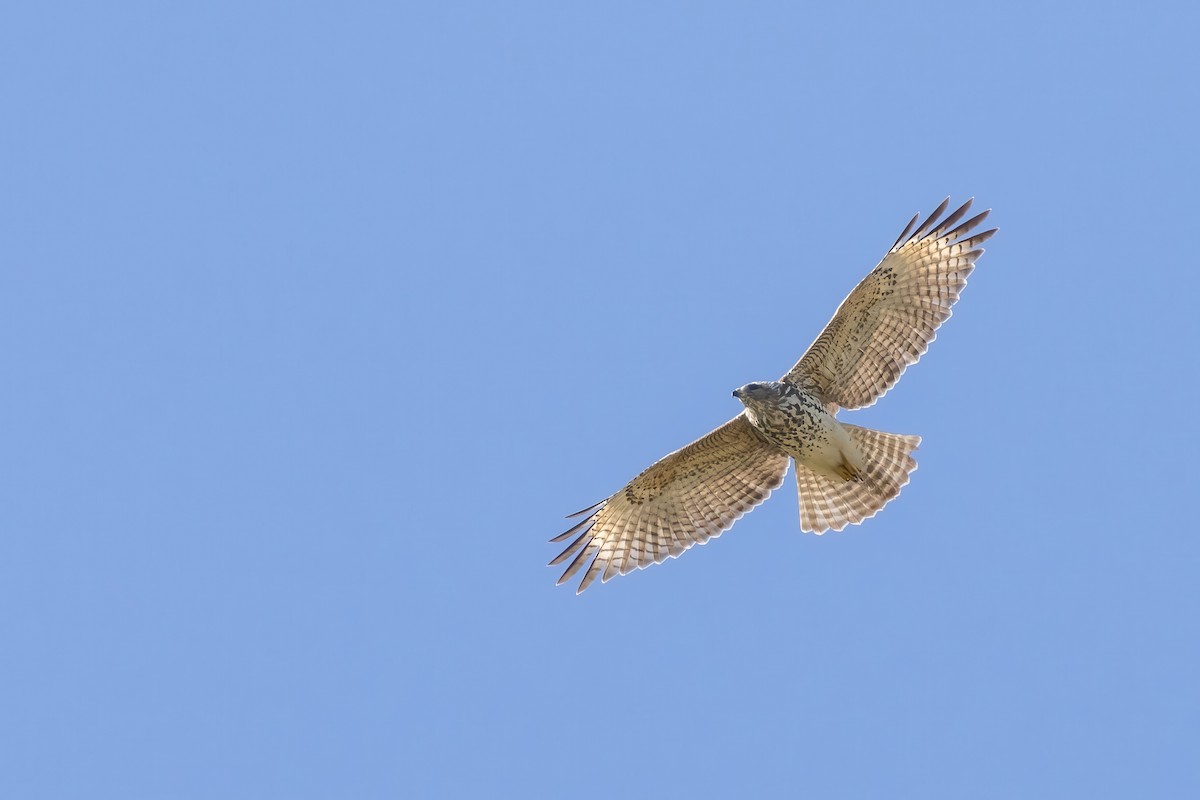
(685, 498)
(889, 319)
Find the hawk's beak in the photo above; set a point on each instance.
(737, 392)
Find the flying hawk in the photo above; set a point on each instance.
(844, 473)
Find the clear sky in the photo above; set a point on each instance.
(317, 318)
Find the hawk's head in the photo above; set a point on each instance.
(759, 392)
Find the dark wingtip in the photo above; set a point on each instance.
(904, 233)
(586, 510)
(969, 224)
(567, 534)
(954, 217)
(923, 228)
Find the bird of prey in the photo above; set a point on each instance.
(844, 473)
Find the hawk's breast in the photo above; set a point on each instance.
(796, 422)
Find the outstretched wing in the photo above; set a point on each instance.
(685, 498)
(889, 319)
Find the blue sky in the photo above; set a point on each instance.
(316, 321)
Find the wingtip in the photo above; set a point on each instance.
(931, 220)
(904, 233)
(581, 512)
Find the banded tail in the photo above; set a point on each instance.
(832, 503)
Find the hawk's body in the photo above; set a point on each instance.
(797, 422)
(844, 473)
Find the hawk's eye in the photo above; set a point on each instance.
(754, 387)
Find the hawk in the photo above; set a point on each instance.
(844, 473)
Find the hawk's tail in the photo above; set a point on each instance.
(827, 502)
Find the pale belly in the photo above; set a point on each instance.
(801, 427)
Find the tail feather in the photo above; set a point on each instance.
(831, 503)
